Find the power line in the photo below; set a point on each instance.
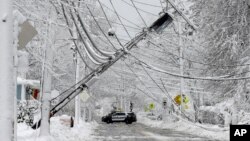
(100, 28)
(197, 62)
(109, 22)
(169, 96)
(161, 5)
(140, 9)
(194, 68)
(156, 100)
(71, 33)
(104, 53)
(143, 3)
(93, 56)
(119, 18)
(218, 78)
(131, 27)
(139, 13)
(138, 77)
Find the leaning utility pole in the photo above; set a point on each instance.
(6, 72)
(160, 24)
(157, 26)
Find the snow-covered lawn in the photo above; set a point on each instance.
(212, 132)
(60, 131)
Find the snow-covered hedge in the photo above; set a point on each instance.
(26, 110)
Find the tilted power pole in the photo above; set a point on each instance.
(160, 24)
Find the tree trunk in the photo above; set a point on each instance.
(45, 127)
(6, 72)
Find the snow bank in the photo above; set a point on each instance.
(59, 131)
(244, 118)
(212, 132)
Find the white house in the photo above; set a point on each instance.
(27, 89)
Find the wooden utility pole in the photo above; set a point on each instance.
(6, 72)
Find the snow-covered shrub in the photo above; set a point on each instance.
(210, 116)
(26, 110)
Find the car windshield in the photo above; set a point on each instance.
(120, 113)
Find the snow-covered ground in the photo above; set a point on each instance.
(60, 131)
(212, 132)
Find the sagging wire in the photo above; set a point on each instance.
(120, 19)
(121, 16)
(104, 53)
(138, 78)
(91, 54)
(139, 13)
(218, 78)
(109, 23)
(100, 28)
(140, 9)
(71, 33)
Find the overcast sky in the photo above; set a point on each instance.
(129, 12)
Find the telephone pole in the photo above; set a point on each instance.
(77, 99)
(6, 72)
(181, 64)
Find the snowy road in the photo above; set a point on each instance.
(139, 132)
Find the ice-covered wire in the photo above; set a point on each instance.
(128, 26)
(139, 13)
(161, 5)
(140, 9)
(100, 28)
(71, 33)
(201, 63)
(112, 10)
(109, 23)
(119, 18)
(138, 78)
(104, 53)
(168, 95)
(143, 3)
(145, 93)
(91, 54)
(217, 78)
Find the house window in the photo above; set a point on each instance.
(19, 92)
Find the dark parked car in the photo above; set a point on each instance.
(119, 117)
(132, 116)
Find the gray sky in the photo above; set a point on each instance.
(130, 13)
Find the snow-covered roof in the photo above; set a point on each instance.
(34, 83)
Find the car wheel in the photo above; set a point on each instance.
(109, 121)
(127, 121)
